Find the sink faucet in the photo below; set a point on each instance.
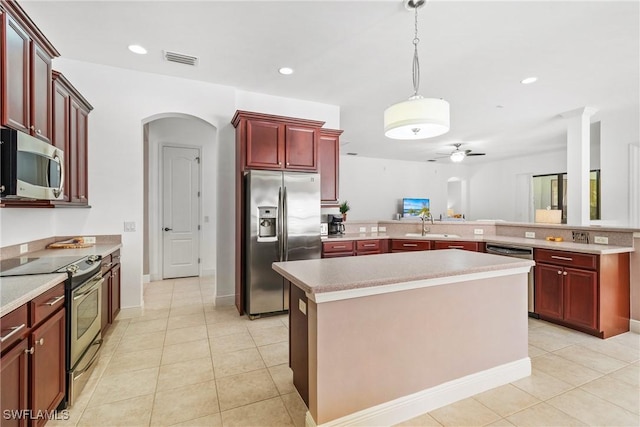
(424, 218)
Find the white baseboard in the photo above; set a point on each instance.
(407, 407)
(225, 300)
(634, 326)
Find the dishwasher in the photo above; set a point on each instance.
(518, 252)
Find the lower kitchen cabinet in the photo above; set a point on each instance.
(586, 292)
(299, 341)
(337, 249)
(342, 248)
(33, 374)
(405, 245)
(110, 289)
(370, 247)
(467, 246)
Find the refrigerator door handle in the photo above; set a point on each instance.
(279, 225)
(285, 231)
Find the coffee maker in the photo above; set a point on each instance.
(335, 224)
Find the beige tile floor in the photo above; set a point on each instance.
(185, 362)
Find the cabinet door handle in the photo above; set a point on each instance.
(54, 300)
(456, 247)
(32, 127)
(108, 265)
(563, 258)
(339, 247)
(565, 273)
(39, 132)
(410, 245)
(14, 330)
(370, 245)
(30, 350)
(559, 271)
(40, 341)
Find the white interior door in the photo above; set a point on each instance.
(180, 211)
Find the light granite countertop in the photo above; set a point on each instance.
(18, 290)
(325, 275)
(588, 248)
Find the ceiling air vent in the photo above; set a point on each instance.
(180, 58)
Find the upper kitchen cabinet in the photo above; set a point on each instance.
(328, 165)
(275, 142)
(70, 119)
(25, 70)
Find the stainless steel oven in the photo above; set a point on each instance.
(84, 335)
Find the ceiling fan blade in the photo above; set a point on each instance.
(476, 154)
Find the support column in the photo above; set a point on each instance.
(578, 167)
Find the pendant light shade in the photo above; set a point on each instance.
(417, 118)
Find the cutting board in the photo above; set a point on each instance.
(70, 244)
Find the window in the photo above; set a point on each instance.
(551, 191)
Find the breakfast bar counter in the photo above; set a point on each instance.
(379, 339)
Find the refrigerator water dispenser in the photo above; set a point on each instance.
(267, 228)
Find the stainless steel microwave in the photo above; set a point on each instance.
(30, 168)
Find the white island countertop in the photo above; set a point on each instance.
(338, 278)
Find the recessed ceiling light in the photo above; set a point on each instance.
(285, 71)
(529, 80)
(136, 48)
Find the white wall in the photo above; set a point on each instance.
(375, 187)
(123, 101)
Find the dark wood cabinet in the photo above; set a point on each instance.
(70, 133)
(329, 165)
(336, 249)
(369, 247)
(299, 340)
(110, 289)
(275, 144)
(14, 371)
(47, 370)
(467, 246)
(33, 358)
(405, 245)
(586, 292)
(26, 74)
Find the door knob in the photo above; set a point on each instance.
(168, 229)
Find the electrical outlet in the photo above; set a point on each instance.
(129, 226)
(601, 240)
(90, 239)
(478, 231)
(374, 229)
(382, 229)
(363, 229)
(530, 234)
(24, 248)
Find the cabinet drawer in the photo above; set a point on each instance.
(107, 263)
(14, 327)
(341, 246)
(398, 245)
(47, 303)
(115, 257)
(363, 246)
(467, 246)
(570, 259)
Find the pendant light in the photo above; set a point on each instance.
(417, 117)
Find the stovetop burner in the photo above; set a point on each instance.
(79, 268)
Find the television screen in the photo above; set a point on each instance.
(411, 207)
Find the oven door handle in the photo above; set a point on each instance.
(91, 362)
(91, 289)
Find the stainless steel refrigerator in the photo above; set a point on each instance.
(283, 224)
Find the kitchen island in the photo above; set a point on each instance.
(380, 339)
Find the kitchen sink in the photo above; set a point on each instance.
(432, 235)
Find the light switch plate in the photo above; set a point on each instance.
(24, 248)
(478, 231)
(302, 306)
(374, 229)
(363, 229)
(601, 240)
(382, 229)
(530, 234)
(129, 226)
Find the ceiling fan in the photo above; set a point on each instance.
(457, 155)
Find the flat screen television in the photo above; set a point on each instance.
(411, 206)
